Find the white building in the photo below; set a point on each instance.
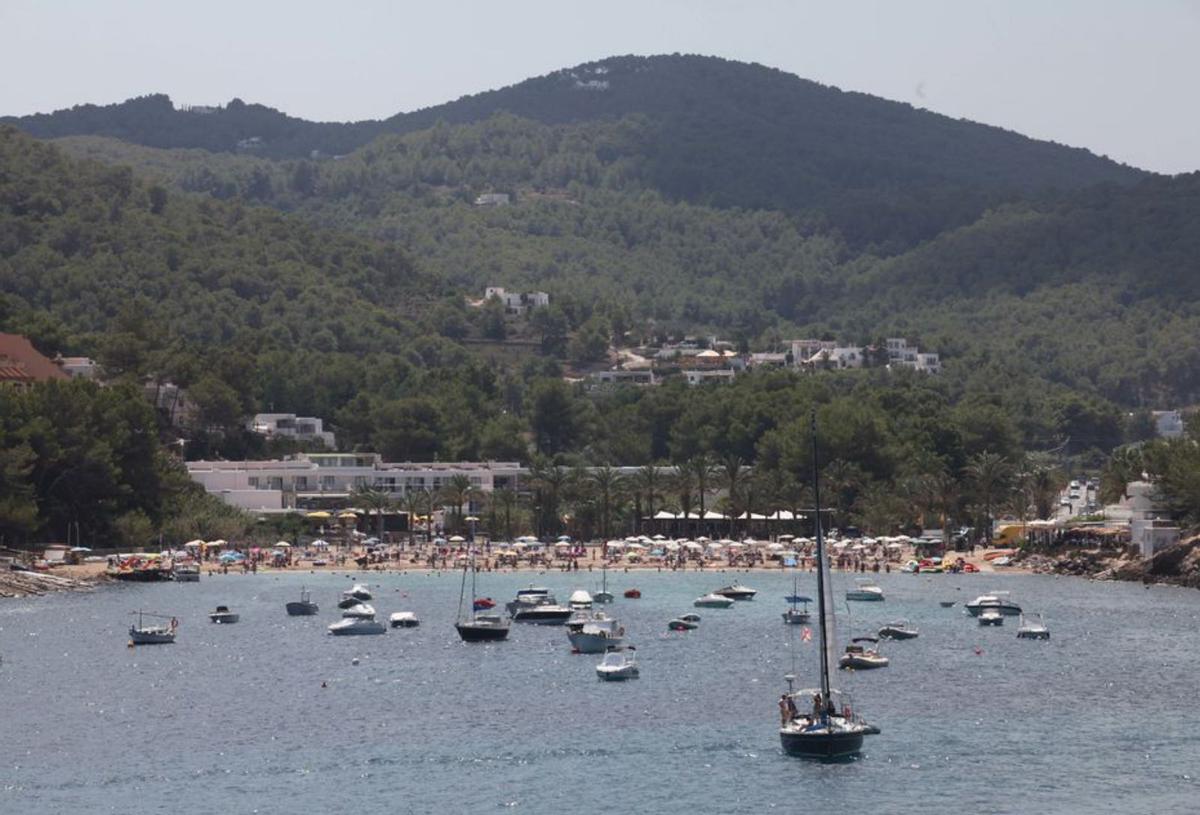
(840, 358)
(493, 199)
(291, 426)
(698, 376)
(640, 376)
(517, 302)
(78, 367)
(1149, 531)
(324, 479)
(903, 355)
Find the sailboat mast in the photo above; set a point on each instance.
(821, 566)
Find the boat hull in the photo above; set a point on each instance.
(897, 634)
(602, 597)
(359, 628)
(821, 745)
(682, 625)
(223, 619)
(541, 616)
(862, 663)
(151, 637)
(1033, 635)
(796, 617)
(299, 609)
(187, 577)
(594, 643)
(1007, 609)
(481, 633)
(864, 596)
(616, 674)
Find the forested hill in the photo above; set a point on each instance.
(724, 134)
(84, 246)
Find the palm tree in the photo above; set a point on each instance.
(703, 470)
(990, 474)
(843, 480)
(505, 501)
(373, 500)
(683, 487)
(608, 483)
(734, 475)
(456, 492)
(550, 483)
(647, 485)
(414, 501)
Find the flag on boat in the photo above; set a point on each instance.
(806, 634)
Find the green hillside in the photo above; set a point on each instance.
(717, 133)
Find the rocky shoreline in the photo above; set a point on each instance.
(34, 584)
(1177, 565)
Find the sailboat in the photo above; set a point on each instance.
(478, 627)
(794, 615)
(604, 595)
(823, 726)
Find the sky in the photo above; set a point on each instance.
(1115, 77)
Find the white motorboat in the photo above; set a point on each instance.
(617, 666)
(223, 615)
(404, 619)
(823, 725)
(685, 622)
(865, 590)
(543, 614)
(142, 634)
(531, 596)
(357, 625)
(1032, 628)
(579, 600)
(991, 616)
(998, 600)
(899, 630)
(364, 611)
(595, 633)
(713, 601)
(358, 591)
(304, 607)
(861, 657)
(737, 592)
(186, 573)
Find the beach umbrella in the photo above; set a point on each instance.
(283, 545)
(457, 539)
(660, 537)
(775, 547)
(564, 537)
(319, 515)
(196, 544)
(320, 544)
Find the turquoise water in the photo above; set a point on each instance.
(235, 719)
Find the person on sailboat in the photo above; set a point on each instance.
(793, 713)
(817, 707)
(785, 709)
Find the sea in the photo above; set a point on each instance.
(273, 715)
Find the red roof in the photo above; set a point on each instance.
(36, 366)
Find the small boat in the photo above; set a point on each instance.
(595, 633)
(357, 625)
(862, 657)
(187, 573)
(617, 666)
(685, 622)
(531, 596)
(543, 614)
(713, 601)
(947, 603)
(477, 626)
(580, 599)
(604, 595)
(1032, 628)
(991, 616)
(796, 615)
(737, 592)
(304, 607)
(142, 634)
(865, 590)
(348, 601)
(824, 725)
(404, 619)
(223, 615)
(633, 594)
(359, 592)
(998, 600)
(362, 611)
(899, 630)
